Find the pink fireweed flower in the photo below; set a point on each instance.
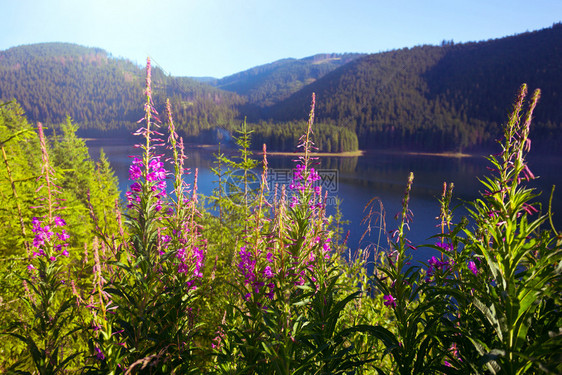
(389, 300)
(472, 267)
(269, 257)
(270, 294)
(156, 175)
(436, 265)
(313, 175)
(162, 187)
(267, 272)
(58, 221)
(445, 246)
(155, 164)
(247, 266)
(297, 174)
(44, 235)
(135, 170)
(294, 201)
(63, 236)
(99, 354)
(187, 261)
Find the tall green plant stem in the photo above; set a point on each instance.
(16, 199)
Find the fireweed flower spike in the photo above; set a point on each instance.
(45, 240)
(147, 172)
(160, 265)
(47, 299)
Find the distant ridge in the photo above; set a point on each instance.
(448, 97)
(105, 94)
(451, 97)
(267, 84)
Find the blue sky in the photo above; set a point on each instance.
(221, 37)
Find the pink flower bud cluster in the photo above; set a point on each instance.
(299, 182)
(302, 183)
(191, 262)
(472, 267)
(44, 236)
(436, 265)
(156, 176)
(445, 246)
(255, 277)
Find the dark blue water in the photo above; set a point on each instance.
(358, 180)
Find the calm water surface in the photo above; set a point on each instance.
(357, 180)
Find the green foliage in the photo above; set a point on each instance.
(262, 285)
(285, 136)
(46, 312)
(141, 318)
(509, 268)
(287, 318)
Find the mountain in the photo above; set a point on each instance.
(448, 97)
(208, 80)
(267, 84)
(104, 94)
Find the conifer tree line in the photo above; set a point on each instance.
(285, 136)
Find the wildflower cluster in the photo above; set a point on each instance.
(259, 279)
(488, 304)
(438, 266)
(304, 181)
(45, 236)
(156, 178)
(191, 263)
(148, 172)
(445, 246)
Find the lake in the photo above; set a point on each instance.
(357, 180)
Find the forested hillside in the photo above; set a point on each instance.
(451, 97)
(268, 84)
(102, 93)
(447, 97)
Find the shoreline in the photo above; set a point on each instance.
(282, 153)
(211, 147)
(316, 154)
(420, 153)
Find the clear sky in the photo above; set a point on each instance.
(221, 37)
